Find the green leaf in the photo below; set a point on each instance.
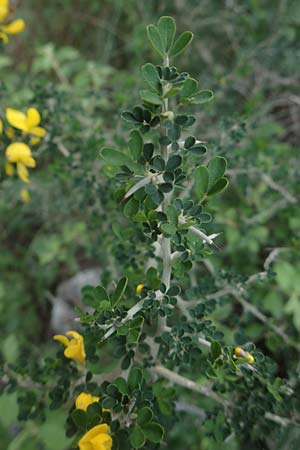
(135, 144)
(168, 229)
(152, 278)
(105, 305)
(173, 291)
(216, 168)
(154, 432)
(100, 293)
(167, 30)
(189, 88)
(215, 349)
(201, 175)
(133, 336)
(198, 150)
(137, 322)
(203, 96)
(173, 162)
(120, 289)
(154, 38)
(148, 151)
(171, 92)
(80, 419)
(172, 214)
(219, 186)
(94, 409)
(114, 157)
(131, 207)
(166, 187)
(189, 142)
(122, 385)
(135, 378)
(129, 117)
(158, 163)
(151, 77)
(113, 391)
(181, 43)
(137, 437)
(145, 415)
(150, 97)
(123, 330)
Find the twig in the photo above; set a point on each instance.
(130, 314)
(283, 421)
(273, 255)
(189, 384)
(277, 187)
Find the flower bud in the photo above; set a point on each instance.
(250, 358)
(239, 352)
(139, 289)
(169, 115)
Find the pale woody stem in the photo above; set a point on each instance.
(165, 242)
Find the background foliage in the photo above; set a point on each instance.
(248, 53)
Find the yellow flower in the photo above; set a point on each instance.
(6, 27)
(25, 196)
(4, 9)
(74, 346)
(97, 438)
(20, 154)
(34, 141)
(84, 400)
(139, 289)
(28, 123)
(9, 169)
(239, 352)
(250, 358)
(1, 126)
(10, 132)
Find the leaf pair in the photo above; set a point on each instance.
(190, 94)
(210, 180)
(99, 298)
(162, 38)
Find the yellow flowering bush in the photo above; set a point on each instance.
(170, 335)
(8, 26)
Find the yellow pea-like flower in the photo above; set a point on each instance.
(20, 154)
(7, 27)
(28, 122)
(97, 438)
(139, 289)
(74, 344)
(84, 400)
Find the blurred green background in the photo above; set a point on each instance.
(78, 61)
